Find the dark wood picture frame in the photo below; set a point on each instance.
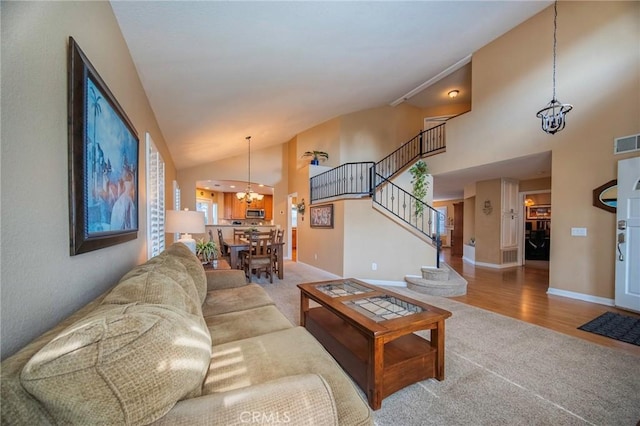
(539, 212)
(103, 161)
(321, 216)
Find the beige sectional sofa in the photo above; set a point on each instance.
(171, 345)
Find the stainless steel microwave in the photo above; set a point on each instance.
(254, 214)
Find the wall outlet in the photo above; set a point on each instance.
(374, 266)
(578, 232)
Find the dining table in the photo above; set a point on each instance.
(238, 244)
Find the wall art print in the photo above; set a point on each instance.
(103, 161)
(321, 216)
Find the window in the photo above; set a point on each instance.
(155, 196)
(294, 216)
(438, 219)
(443, 219)
(209, 209)
(176, 204)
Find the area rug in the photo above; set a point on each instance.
(615, 326)
(500, 371)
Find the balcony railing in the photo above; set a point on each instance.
(427, 142)
(349, 179)
(372, 179)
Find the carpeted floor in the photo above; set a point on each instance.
(615, 326)
(501, 371)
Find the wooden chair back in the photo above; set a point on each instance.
(259, 257)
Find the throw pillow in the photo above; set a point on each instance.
(122, 364)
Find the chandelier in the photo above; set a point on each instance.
(553, 115)
(248, 195)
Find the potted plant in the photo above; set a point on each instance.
(419, 172)
(300, 207)
(206, 251)
(317, 155)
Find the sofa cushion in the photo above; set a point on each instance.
(163, 280)
(122, 364)
(194, 267)
(235, 299)
(244, 324)
(292, 351)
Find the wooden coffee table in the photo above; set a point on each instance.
(369, 331)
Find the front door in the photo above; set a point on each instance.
(628, 235)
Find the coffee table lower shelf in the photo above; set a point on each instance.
(406, 360)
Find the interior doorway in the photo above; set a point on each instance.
(535, 245)
(292, 227)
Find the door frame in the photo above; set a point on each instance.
(522, 218)
(289, 253)
(624, 299)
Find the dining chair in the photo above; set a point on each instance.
(237, 233)
(259, 257)
(223, 250)
(277, 250)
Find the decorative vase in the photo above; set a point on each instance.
(315, 162)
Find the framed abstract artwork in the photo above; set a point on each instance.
(321, 216)
(103, 161)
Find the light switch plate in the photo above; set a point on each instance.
(578, 232)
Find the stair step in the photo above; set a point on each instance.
(435, 274)
(454, 285)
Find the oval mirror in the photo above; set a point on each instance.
(606, 196)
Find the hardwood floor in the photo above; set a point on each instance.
(521, 293)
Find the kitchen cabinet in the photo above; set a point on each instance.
(268, 207)
(236, 209)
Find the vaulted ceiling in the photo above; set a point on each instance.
(217, 71)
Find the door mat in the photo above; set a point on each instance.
(615, 326)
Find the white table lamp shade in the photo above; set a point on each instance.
(185, 222)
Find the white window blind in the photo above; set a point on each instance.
(176, 204)
(155, 197)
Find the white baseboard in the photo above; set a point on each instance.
(468, 260)
(581, 296)
(383, 282)
(495, 265)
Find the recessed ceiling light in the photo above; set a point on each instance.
(232, 186)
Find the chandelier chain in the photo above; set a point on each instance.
(555, 42)
(249, 168)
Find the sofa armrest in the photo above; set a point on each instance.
(300, 399)
(225, 278)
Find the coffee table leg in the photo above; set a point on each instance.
(304, 307)
(375, 373)
(437, 341)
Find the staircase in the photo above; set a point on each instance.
(374, 179)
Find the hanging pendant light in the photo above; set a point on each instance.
(553, 115)
(249, 196)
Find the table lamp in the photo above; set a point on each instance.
(185, 222)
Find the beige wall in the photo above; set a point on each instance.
(469, 230)
(598, 67)
(487, 226)
(41, 282)
(371, 237)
